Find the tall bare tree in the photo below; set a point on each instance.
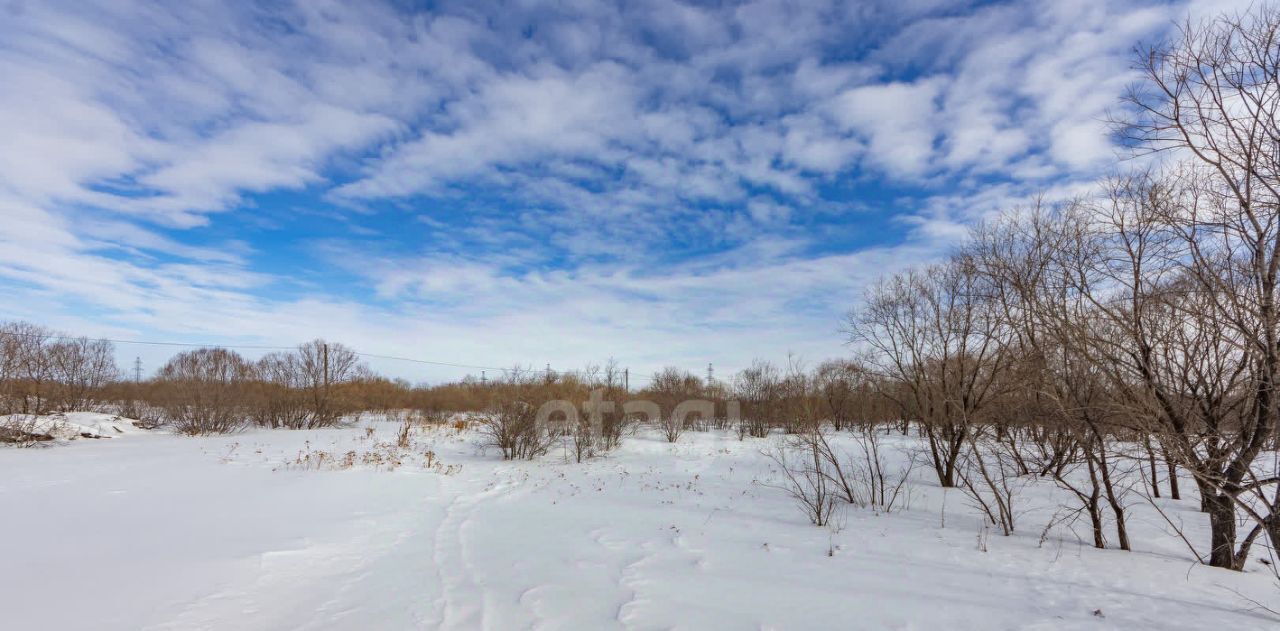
(1212, 94)
(935, 332)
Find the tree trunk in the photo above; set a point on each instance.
(1151, 460)
(1206, 493)
(1222, 531)
(1173, 477)
(1117, 508)
(1095, 512)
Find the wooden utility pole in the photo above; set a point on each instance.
(325, 361)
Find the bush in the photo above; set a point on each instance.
(510, 422)
(205, 391)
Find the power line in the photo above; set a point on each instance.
(449, 364)
(51, 336)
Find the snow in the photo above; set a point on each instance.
(71, 425)
(253, 531)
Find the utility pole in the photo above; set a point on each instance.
(325, 360)
(626, 379)
(137, 370)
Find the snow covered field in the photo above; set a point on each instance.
(258, 531)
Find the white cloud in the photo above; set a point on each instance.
(515, 118)
(654, 175)
(898, 119)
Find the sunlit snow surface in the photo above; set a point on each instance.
(155, 531)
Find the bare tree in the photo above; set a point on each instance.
(1212, 94)
(846, 391)
(605, 422)
(323, 366)
(759, 391)
(81, 367)
(279, 398)
(935, 333)
(669, 388)
(1061, 422)
(29, 366)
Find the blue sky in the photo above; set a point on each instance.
(528, 183)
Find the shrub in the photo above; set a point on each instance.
(205, 391)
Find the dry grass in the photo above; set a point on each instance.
(409, 448)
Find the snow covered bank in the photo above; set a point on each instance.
(168, 532)
(66, 426)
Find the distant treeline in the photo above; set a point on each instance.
(215, 390)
